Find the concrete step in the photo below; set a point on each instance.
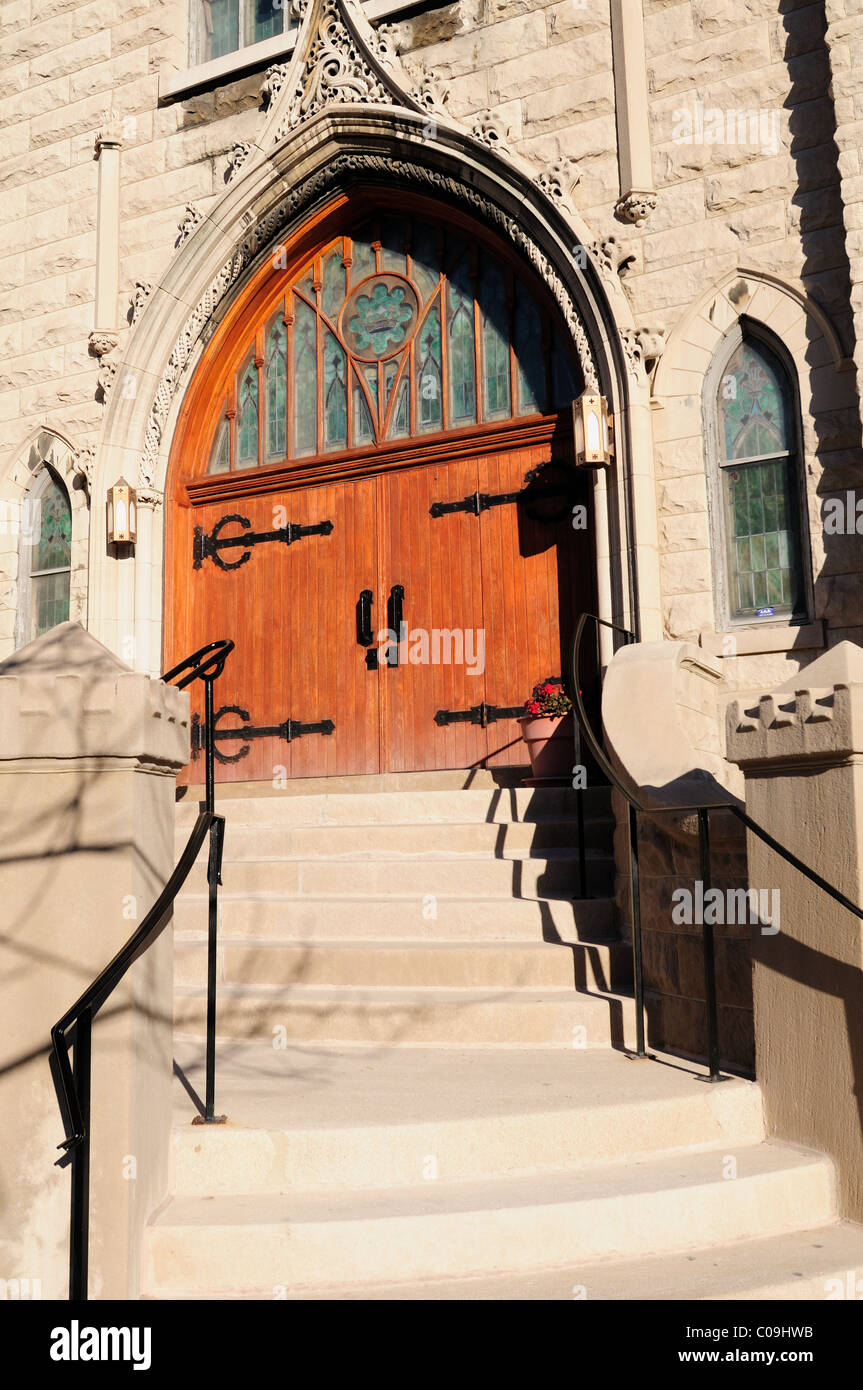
(416, 840)
(496, 805)
(440, 1229)
(553, 874)
(490, 965)
(816, 1264)
(441, 917)
(328, 1118)
(436, 1017)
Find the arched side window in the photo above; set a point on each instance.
(45, 564)
(753, 434)
(402, 329)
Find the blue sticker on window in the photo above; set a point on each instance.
(766, 613)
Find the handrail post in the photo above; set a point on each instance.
(709, 951)
(209, 744)
(79, 1215)
(637, 961)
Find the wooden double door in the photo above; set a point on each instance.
(411, 607)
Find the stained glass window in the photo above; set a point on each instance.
(46, 557)
(276, 370)
(223, 26)
(759, 484)
(247, 408)
(401, 327)
(266, 18)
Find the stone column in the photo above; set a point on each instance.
(635, 160)
(88, 760)
(801, 750)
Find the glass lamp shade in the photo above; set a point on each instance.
(592, 433)
(121, 520)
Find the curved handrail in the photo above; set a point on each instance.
(107, 980)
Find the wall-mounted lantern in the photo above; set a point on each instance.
(121, 513)
(594, 447)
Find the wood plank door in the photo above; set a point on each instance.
(499, 590)
(292, 612)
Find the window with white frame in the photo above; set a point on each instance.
(224, 26)
(753, 437)
(45, 563)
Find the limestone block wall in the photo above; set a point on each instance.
(765, 227)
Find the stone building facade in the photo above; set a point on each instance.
(684, 176)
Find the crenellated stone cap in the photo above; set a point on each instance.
(66, 698)
(816, 715)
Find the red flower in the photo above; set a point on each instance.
(533, 707)
(549, 689)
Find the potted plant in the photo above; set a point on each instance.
(547, 729)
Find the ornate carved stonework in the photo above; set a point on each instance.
(614, 259)
(339, 172)
(106, 375)
(143, 290)
(149, 497)
(192, 218)
(274, 81)
(430, 95)
(559, 179)
(85, 463)
(237, 157)
(110, 136)
(101, 342)
(636, 207)
(335, 70)
(490, 129)
(643, 347)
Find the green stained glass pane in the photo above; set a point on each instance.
(460, 343)
(530, 365)
(774, 587)
(393, 237)
(53, 548)
(247, 416)
(391, 371)
(757, 549)
(425, 266)
(771, 513)
(759, 590)
(744, 555)
(362, 259)
(771, 547)
(266, 19)
(220, 460)
(50, 599)
(756, 515)
(220, 24)
(784, 549)
(304, 379)
(335, 394)
(362, 422)
(370, 373)
(335, 288)
(764, 550)
(401, 415)
(277, 377)
(306, 286)
(429, 372)
(754, 404)
(744, 592)
(494, 316)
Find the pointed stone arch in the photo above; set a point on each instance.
(342, 113)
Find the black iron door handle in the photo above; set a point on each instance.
(395, 621)
(365, 636)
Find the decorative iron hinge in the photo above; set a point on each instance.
(531, 498)
(480, 714)
(288, 730)
(208, 547)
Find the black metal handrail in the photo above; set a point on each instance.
(636, 808)
(74, 1029)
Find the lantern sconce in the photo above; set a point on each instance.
(594, 431)
(121, 513)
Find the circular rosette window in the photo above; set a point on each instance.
(379, 317)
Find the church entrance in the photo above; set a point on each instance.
(374, 497)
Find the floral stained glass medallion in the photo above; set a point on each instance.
(379, 317)
(753, 404)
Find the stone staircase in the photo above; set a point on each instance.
(420, 1057)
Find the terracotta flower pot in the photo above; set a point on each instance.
(549, 740)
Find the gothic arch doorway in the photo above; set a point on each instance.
(371, 491)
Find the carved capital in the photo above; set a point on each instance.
(101, 342)
(636, 207)
(110, 137)
(237, 157)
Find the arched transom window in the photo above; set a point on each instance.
(401, 330)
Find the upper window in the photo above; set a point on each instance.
(223, 26)
(759, 468)
(401, 330)
(46, 549)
